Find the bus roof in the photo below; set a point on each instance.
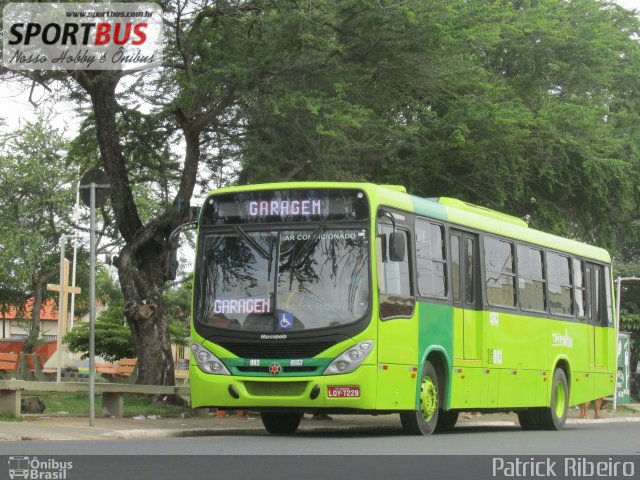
(446, 209)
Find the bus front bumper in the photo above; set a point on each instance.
(355, 390)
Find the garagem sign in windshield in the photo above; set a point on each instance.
(82, 36)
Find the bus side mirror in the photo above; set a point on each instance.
(397, 248)
(172, 264)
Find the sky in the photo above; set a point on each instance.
(635, 4)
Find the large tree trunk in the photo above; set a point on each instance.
(144, 307)
(141, 260)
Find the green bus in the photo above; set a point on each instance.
(331, 297)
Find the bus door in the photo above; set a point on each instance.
(470, 386)
(398, 324)
(596, 313)
(466, 294)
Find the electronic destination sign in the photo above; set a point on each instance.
(280, 206)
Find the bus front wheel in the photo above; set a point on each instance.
(424, 419)
(281, 423)
(554, 416)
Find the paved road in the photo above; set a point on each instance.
(332, 452)
(574, 439)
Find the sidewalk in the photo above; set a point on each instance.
(77, 428)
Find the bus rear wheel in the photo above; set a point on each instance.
(281, 423)
(447, 419)
(424, 419)
(554, 416)
(529, 419)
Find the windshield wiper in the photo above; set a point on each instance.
(253, 243)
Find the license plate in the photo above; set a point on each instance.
(343, 392)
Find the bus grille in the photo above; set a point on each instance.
(277, 350)
(286, 369)
(276, 389)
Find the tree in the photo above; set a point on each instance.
(529, 107)
(35, 209)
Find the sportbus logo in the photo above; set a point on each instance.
(82, 36)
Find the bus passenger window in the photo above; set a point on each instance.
(469, 261)
(589, 293)
(580, 286)
(531, 279)
(394, 280)
(560, 301)
(455, 267)
(499, 272)
(431, 259)
(608, 317)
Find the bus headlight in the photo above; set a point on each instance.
(350, 359)
(207, 361)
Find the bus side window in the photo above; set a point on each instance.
(431, 263)
(455, 268)
(499, 272)
(394, 279)
(589, 292)
(600, 302)
(580, 288)
(469, 274)
(608, 316)
(531, 279)
(560, 291)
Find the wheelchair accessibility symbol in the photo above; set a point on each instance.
(285, 320)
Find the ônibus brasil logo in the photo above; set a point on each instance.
(82, 36)
(32, 468)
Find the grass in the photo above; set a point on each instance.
(77, 403)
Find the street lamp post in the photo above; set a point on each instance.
(94, 189)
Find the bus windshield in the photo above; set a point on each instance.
(278, 281)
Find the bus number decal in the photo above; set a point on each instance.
(254, 362)
(495, 356)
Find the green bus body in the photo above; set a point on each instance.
(487, 357)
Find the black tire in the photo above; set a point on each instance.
(529, 419)
(554, 416)
(423, 421)
(447, 419)
(281, 423)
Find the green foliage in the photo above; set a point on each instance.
(526, 107)
(113, 339)
(178, 311)
(35, 207)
